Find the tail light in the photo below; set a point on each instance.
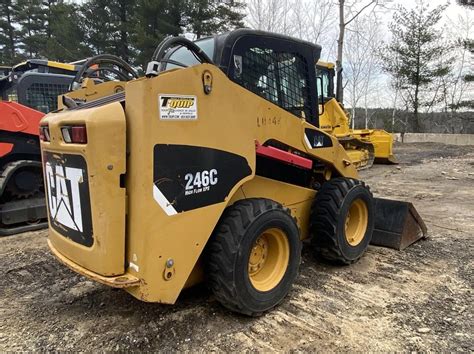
(75, 134)
(44, 133)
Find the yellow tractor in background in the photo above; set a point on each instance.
(210, 168)
(364, 146)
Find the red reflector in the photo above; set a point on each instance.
(79, 134)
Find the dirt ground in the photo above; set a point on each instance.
(419, 299)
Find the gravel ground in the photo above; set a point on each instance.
(419, 299)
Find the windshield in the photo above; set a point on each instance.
(186, 57)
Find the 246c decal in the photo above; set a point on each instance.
(189, 177)
(200, 181)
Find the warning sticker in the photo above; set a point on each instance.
(178, 107)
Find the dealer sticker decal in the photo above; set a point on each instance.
(178, 107)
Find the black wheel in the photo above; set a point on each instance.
(253, 256)
(342, 220)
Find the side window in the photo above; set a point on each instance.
(183, 55)
(278, 76)
(324, 74)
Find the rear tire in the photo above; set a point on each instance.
(253, 256)
(342, 220)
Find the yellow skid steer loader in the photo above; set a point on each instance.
(212, 167)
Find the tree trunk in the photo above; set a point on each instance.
(353, 117)
(340, 43)
(11, 37)
(394, 110)
(416, 103)
(366, 116)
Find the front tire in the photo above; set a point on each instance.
(342, 220)
(253, 256)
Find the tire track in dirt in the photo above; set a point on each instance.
(379, 304)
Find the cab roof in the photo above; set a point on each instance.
(225, 42)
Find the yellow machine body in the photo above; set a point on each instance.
(209, 172)
(127, 220)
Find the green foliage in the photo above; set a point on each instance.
(155, 19)
(64, 36)
(67, 31)
(206, 17)
(417, 55)
(31, 18)
(8, 33)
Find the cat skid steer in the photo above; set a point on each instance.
(212, 167)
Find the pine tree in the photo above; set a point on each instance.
(8, 33)
(155, 19)
(31, 18)
(469, 45)
(230, 15)
(109, 27)
(122, 14)
(415, 58)
(206, 17)
(64, 35)
(96, 24)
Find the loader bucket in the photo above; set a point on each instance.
(397, 224)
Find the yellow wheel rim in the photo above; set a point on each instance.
(268, 259)
(356, 222)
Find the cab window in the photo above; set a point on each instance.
(186, 57)
(324, 75)
(279, 76)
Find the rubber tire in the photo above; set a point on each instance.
(328, 217)
(228, 253)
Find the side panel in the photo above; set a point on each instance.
(167, 235)
(182, 171)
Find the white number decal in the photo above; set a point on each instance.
(213, 177)
(189, 179)
(197, 180)
(201, 179)
(205, 178)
